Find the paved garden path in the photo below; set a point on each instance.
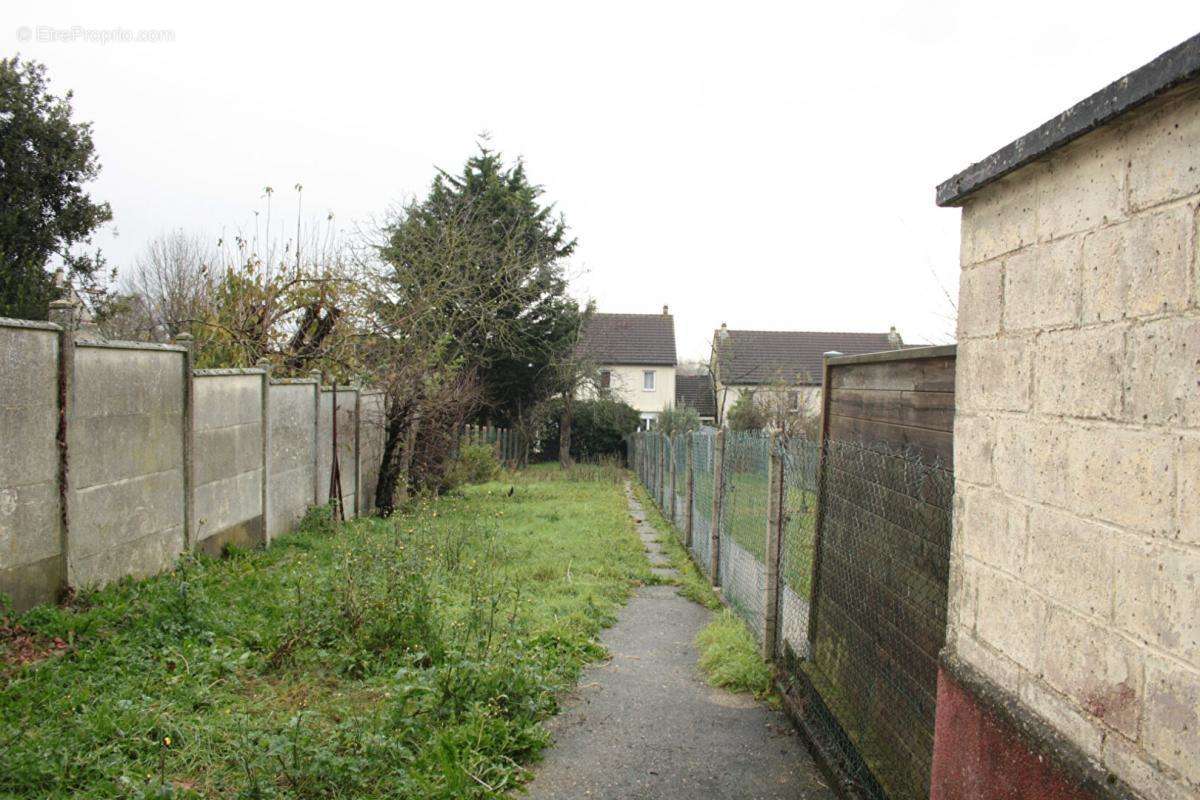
(645, 726)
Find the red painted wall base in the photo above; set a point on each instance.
(980, 754)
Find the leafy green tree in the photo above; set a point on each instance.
(532, 322)
(598, 428)
(747, 414)
(46, 159)
(673, 420)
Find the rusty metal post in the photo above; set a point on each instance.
(718, 503)
(775, 489)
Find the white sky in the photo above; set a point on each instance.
(771, 166)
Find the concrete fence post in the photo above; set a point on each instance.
(315, 375)
(358, 493)
(718, 502)
(63, 313)
(690, 496)
(265, 417)
(671, 494)
(185, 341)
(775, 489)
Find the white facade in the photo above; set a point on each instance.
(629, 383)
(806, 401)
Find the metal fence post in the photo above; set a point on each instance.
(717, 503)
(688, 522)
(775, 491)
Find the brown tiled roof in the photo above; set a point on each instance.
(793, 357)
(696, 391)
(630, 339)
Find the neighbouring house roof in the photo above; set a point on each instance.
(792, 357)
(630, 339)
(1177, 66)
(696, 391)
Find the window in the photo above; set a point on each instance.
(793, 401)
(648, 380)
(605, 379)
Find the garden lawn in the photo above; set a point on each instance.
(413, 657)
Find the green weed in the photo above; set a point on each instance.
(730, 659)
(412, 657)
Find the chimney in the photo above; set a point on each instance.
(894, 340)
(666, 311)
(724, 332)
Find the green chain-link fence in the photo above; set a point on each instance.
(859, 611)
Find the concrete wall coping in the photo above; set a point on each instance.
(292, 381)
(28, 324)
(1173, 68)
(118, 345)
(215, 373)
(340, 389)
(903, 354)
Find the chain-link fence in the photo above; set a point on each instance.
(800, 458)
(702, 498)
(880, 587)
(859, 582)
(679, 449)
(743, 539)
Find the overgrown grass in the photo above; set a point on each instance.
(691, 582)
(406, 658)
(730, 659)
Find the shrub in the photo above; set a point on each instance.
(598, 429)
(476, 463)
(674, 420)
(747, 415)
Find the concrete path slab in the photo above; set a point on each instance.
(645, 726)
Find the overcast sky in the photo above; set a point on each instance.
(771, 166)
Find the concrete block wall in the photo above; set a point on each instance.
(125, 440)
(347, 403)
(1075, 577)
(30, 552)
(292, 455)
(150, 446)
(371, 441)
(228, 477)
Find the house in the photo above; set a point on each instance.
(635, 357)
(785, 366)
(696, 391)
